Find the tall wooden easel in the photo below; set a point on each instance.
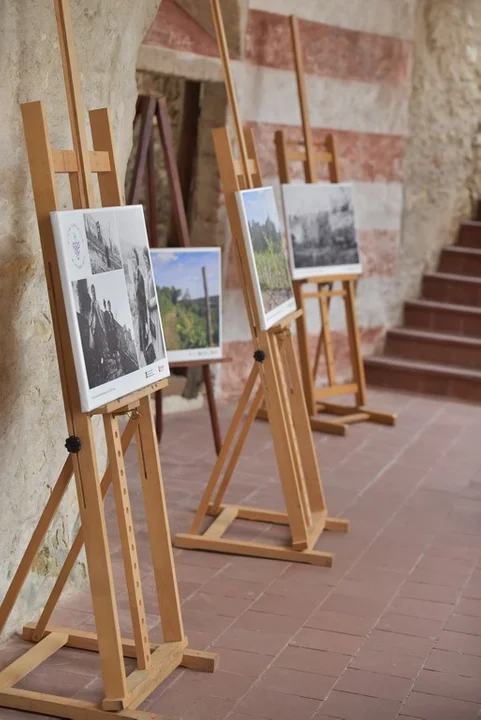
(150, 111)
(319, 398)
(154, 663)
(275, 366)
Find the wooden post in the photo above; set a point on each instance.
(148, 108)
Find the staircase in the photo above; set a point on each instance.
(438, 350)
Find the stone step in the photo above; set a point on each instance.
(470, 234)
(456, 289)
(433, 347)
(458, 260)
(422, 377)
(443, 317)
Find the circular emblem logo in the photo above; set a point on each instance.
(77, 246)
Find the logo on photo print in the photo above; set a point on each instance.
(77, 246)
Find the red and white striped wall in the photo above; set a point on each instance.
(358, 58)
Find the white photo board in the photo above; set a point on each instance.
(189, 291)
(321, 229)
(111, 302)
(267, 255)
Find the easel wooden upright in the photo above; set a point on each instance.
(318, 399)
(150, 111)
(275, 366)
(123, 694)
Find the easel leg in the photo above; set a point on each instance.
(35, 542)
(158, 526)
(302, 426)
(77, 545)
(229, 438)
(159, 418)
(251, 416)
(285, 445)
(98, 561)
(127, 538)
(355, 343)
(214, 418)
(304, 353)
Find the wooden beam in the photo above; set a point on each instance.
(141, 683)
(68, 708)
(13, 673)
(65, 161)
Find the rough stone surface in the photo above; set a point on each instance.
(234, 13)
(443, 158)
(32, 431)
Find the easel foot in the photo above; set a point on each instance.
(164, 659)
(348, 415)
(252, 549)
(300, 551)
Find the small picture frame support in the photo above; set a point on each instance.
(122, 693)
(275, 379)
(151, 111)
(319, 399)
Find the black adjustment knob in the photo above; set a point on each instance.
(73, 444)
(259, 356)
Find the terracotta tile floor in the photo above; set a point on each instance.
(393, 629)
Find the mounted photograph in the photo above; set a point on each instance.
(189, 290)
(103, 241)
(267, 255)
(113, 314)
(321, 228)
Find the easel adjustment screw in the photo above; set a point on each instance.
(73, 444)
(259, 356)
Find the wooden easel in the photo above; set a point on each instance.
(280, 386)
(318, 399)
(154, 662)
(151, 110)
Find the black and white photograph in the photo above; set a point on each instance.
(112, 308)
(102, 240)
(321, 229)
(141, 288)
(105, 326)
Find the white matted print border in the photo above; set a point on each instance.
(271, 318)
(195, 354)
(74, 265)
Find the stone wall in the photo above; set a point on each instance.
(359, 62)
(443, 158)
(32, 426)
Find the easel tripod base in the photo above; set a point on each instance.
(212, 539)
(348, 415)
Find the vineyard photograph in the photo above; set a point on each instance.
(188, 282)
(270, 257)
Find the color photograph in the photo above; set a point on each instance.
(267, 255)
(111, 302)
(189, 291)
(321, 228)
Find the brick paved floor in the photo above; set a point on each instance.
(393, 629)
